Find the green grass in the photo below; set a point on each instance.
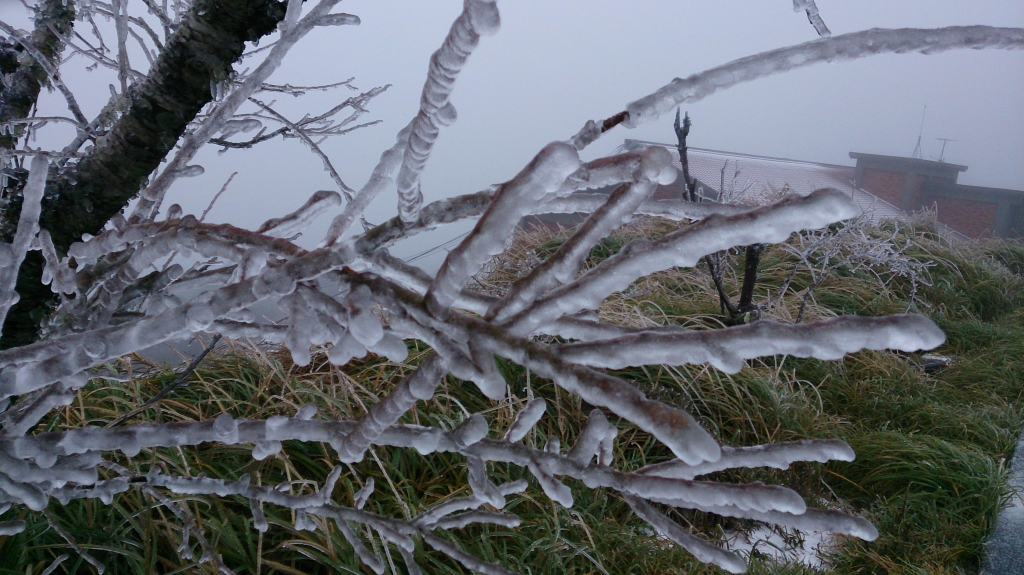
(931, 447)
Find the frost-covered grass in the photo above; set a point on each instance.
(930, 446)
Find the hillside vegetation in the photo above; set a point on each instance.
(932, 445)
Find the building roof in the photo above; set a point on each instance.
(919, 163)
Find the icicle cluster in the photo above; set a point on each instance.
(376, 302)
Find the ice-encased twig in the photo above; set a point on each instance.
(478, 18)
(8, 528)
(813, 17)
(669, 209)
(11, 255)
(834, 49)
(775, 455)
(726, 349)
(526, 419)
(544, 175)
(684, 248)
(811, 520)
(296, 221)
(365, 555)
(100, 568)
(302, 135)
(463, 558)
(419, 385)
(151, 197)
(56, 272)
(562, 266)
(382, 177)
(704, 551)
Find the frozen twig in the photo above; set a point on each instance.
(478, 18)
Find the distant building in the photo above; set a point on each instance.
(913, 185)
(886, 187)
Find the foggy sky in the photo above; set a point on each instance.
(556, 64)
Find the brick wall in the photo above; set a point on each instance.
(972, 218)
(885, 185)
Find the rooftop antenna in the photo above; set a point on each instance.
(944, 141)
(917, 149)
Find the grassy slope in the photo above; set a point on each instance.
(930, 447)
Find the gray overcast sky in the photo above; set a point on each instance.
(556, 64)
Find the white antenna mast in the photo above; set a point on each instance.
(917, 149)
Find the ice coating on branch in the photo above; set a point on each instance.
(57, 274)
(481, 485)
(294, 222)
(386, 412)
(834, 49)
(338, 20)
(684, 248)
(478, 18)
(364, 554)
(8, 528)
(381, 178)
(471, 431)
(593, 433)
(363, 495)
(190, 171)
(727, 349)
(668, 209)
(562, 266)
(813, 17)
(553, 488)
(232, 127)
(28, 227)
(775, 455)
(654, 167)
(527, 417)
(542, 176)
(702, 550)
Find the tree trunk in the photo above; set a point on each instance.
(84, 195)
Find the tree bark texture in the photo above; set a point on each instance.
(24, 76)
(85, 194)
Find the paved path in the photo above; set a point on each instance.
(1005, 551)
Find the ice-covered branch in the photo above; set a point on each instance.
(562, 266)
(382, 177)
(726, 349)
(541, 177)
(776, 455)
(153, 194)
(702, 550)
(684, 248)
(478, 18)
(834, 49)
(419, 385)
(11, 255)
(292, 223)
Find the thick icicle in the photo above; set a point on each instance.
(478, 18)
(11, 255)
